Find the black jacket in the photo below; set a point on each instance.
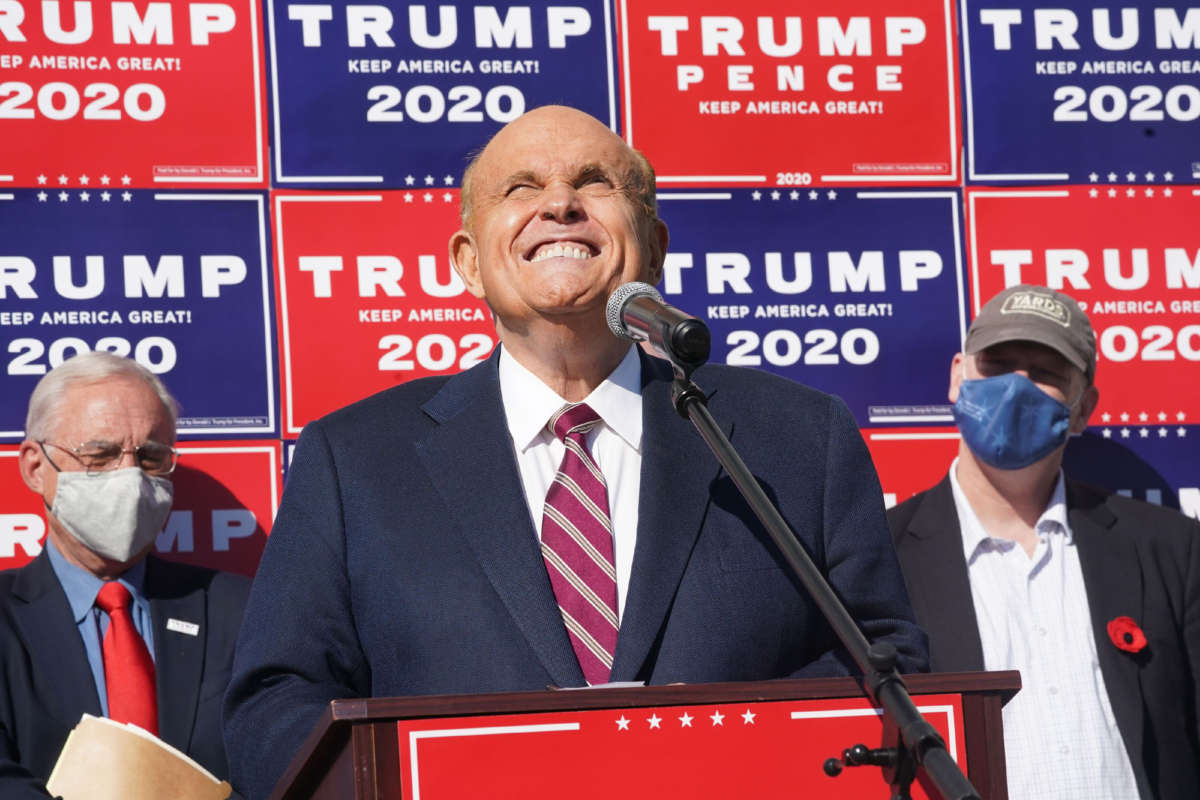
(46, 683)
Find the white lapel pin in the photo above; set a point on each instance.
(180, 626)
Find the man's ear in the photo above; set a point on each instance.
(1087, 404)
(32, 463)
(660, 237)
(956, 375)
(464, 257)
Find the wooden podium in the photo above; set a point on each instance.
(765, 739)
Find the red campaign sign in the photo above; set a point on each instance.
(22, 524)
(226, 495)
(1130, 254)
(98, 93)
(365, 283)
(911, 460)
(763, 750)
(841, 94)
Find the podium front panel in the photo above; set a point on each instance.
(763, 750)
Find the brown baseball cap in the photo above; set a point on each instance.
(1031, 313)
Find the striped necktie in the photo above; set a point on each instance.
(577, 544)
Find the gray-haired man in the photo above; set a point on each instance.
(95, 624)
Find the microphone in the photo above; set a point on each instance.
(636, 311)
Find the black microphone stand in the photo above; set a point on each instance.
(918, 742)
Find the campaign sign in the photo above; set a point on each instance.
(858, 293)
(1152, 459)
(22, 520)
(1131, 257)
(1075, 88)
(368, 298)
(776, 93)
(911, 460)
(97, 93)
(226, 495)
(400, 94)
(177, 281)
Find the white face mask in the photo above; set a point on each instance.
(115, 514)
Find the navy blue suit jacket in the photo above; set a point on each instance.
(46, 683)
(403, 560)
(1138, 561)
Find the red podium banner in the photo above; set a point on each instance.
(724, 750)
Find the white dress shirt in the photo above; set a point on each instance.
(616, 446)
(1060, 736)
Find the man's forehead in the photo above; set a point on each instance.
(560, 141)
(110, 401)
(561, 168)
(542, 163)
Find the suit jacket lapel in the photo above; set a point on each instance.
(677, 471)
(48, 628)
(931, 555)
(1114, 583)
(178, 657)
(495, 523)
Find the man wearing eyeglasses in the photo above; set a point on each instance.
(95, 624)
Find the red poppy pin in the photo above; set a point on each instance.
(1126, 634)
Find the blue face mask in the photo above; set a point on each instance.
(1008, 422)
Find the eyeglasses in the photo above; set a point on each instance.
(153, 457)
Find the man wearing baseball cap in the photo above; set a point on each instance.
(1094, 597)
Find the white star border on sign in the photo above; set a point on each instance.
(1162, 415)
(1143, 431)
(1166, 176)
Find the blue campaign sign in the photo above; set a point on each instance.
(1080, 91)
(401, 94)
(858, 293)
(1152, 459)
(177, 280)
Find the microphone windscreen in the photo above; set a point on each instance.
(616, 304)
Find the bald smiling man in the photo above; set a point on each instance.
(450, 535)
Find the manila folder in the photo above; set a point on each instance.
(106, 760)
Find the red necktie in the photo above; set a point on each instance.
(577, 544)
(128, 668)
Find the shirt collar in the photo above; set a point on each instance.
(1052, 520)
(81, 586)
(529, 403)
